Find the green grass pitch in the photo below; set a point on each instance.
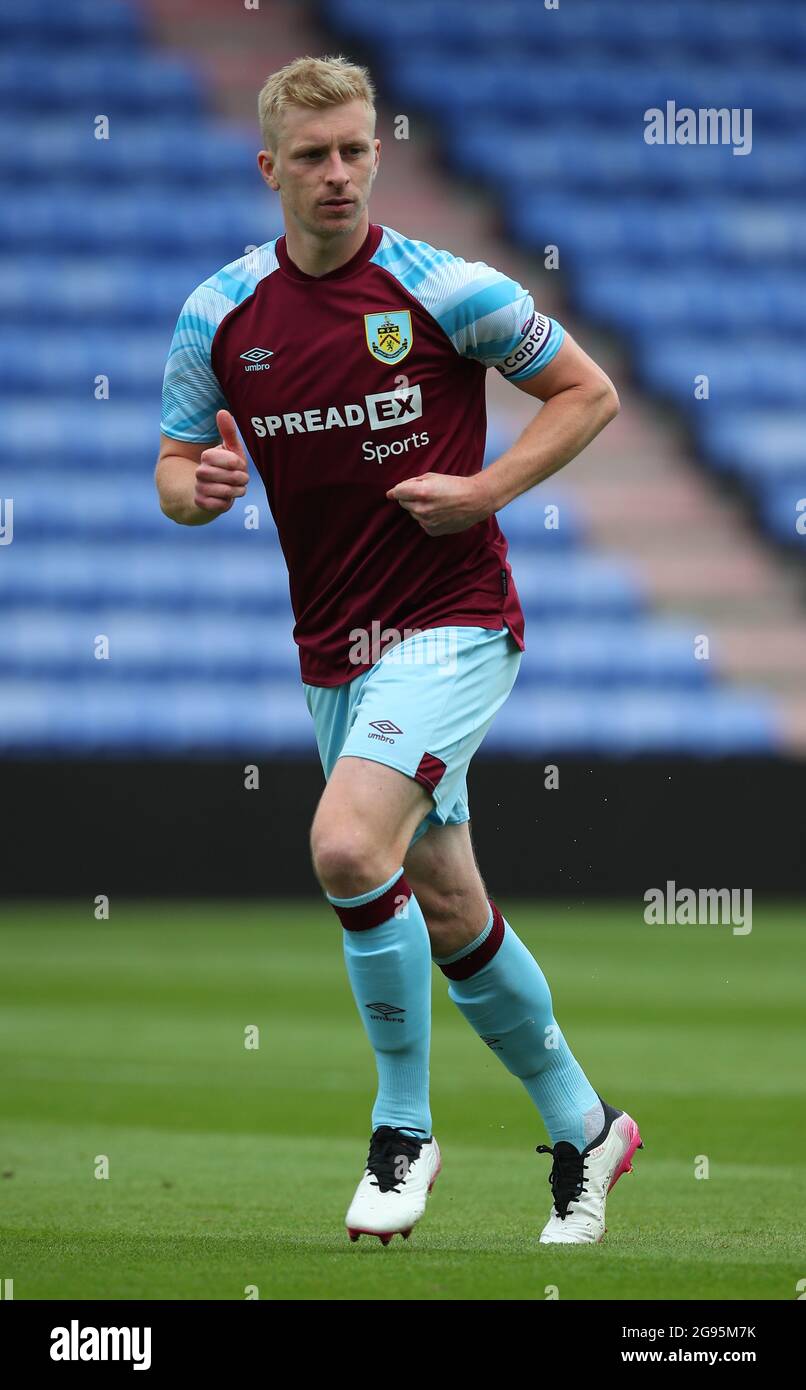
(232, 1167)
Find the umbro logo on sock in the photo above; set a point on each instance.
(386, 1012)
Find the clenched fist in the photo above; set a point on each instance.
(444, 503)
(222, 472)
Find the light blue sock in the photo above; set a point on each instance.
(388, 955)
(506, 998)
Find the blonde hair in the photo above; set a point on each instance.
(313, 82)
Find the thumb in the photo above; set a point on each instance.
(405, 491)
(228, 431)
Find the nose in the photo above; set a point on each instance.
(335, 171)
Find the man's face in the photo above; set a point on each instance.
(323, 167)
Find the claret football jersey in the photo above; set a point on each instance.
(343, 385)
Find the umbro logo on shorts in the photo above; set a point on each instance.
(384, 726)
(386, 1012)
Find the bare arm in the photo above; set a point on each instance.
(579, 401)
(197, 482)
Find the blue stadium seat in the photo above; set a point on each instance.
(616, 160)
(769, 443)
(611, 652)
(223, 575)
(178, 717)
(547, 520)
(76, 222)
(60, 23)
(783, 506)
(64, 363)
(611, 93)
(90, 83)
(628, 722)
(150, 152)
(730, 232)
(148, 646)
(654, 301)
(116, 434)
(621, 26)
(97, 505)
(588, 584)
(753, 369)
(112, 290)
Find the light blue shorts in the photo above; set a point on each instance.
(423, 708)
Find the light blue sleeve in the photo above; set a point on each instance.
(491, 318)
(535, 347)
(191, 393)
(486, 315)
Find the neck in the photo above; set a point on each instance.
(319, 255)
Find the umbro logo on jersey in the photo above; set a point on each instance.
(256, 357)
(386, 1012)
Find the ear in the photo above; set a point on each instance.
(265, 163)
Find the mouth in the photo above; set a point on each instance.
(337, 203)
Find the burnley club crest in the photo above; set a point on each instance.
(389, 335)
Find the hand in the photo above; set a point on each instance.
(222, 472)
(443, 504)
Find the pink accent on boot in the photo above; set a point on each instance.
(629, 1129)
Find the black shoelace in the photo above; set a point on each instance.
(567, 1176)
(391, 1154)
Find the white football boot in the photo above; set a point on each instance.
(580, 1182)
(391, 1196)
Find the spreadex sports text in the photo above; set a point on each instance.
(380, 411)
